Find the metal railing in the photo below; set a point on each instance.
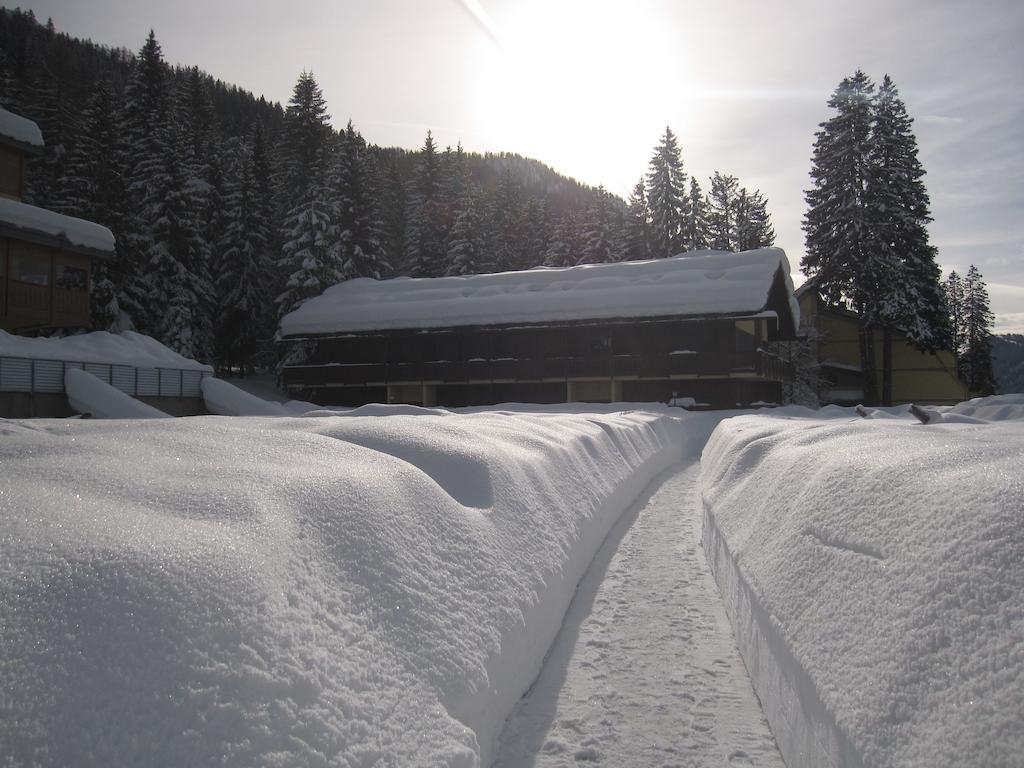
(26, 374)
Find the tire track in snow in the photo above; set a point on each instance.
(644, 671)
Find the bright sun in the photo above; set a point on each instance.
(572, 80)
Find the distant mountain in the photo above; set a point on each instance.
(1008, 362)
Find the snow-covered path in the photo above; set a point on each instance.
(645, 671)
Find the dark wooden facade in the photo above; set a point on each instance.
(715, 361)
(44, 280)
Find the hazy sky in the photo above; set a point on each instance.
(588, 87)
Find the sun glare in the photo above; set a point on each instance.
(573, 80)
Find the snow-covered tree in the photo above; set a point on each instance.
(424, 250)
(838, 221)
(696, 227)
(467, 243)
(753, 224)
(636, 230)
(666, 197)
(600, 231)
(722, 202)
(536, 231)
(242, 248)
(566, 246)
(358, 249)
(975, 363)
(506, 225)
(954, 299)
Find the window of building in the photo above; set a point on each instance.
(72, 278)
(745, 336)
(29, 264)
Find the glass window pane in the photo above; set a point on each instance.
(72, 278)
(30, 269)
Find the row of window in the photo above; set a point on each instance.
(28, 263)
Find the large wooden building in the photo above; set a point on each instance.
(917, 377)
(692, 327)
(45, 257)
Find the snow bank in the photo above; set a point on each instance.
(296, 592)
(126, 348)
(85, 234)
(20, 129)
(87, 394)
(874, 573)
(709, 282)
(224, 399)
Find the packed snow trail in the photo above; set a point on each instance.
(645, 671)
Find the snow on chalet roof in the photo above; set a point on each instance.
(19, 129)
(125, 348)
(65, 231)
(694, 284)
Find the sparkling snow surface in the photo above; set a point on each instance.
(707, 282)
(645, 671)
(874, 572)
(125, 348)
(20, 129)
(296, 592)
(76, 231)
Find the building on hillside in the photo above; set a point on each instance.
(45, 257)
(691, 326)
(917, 377)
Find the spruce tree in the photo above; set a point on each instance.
(753, 224)
(976, 361)
(467, 243)
(722, 221)
(536, 231)
(636, 231)
(566, 247)
(506, 225)
(838, 221)
(600, 233)
(696, 229)
(242, 248)
(954, 299)
(424, 251)
(666, 197)
(358, 250)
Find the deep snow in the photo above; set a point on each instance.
(715, 282)
(874, 572)
(125, 348)
(286, 591)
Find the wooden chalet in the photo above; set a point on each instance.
(689, 327)
(45, 257)
(917, 377)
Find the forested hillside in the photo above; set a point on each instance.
(1008, 362)
(230, 211)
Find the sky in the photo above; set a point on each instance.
(588, 87)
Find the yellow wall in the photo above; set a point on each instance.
(920, 377)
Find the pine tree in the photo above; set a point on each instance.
(240, 286)
(467, 244)
(976, 361)
(696, 227)
(954, 299)
(666, 197)
(536, 231)
(506, 225)
(722, 223)
(424, 253)
(307, 263)
(394, 205)
(358, 251)
(899, 216)
(838, 220)
(636, 231)
(600, 231)
(566, 247)
(753, 224)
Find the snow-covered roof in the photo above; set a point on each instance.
(126, 348)
(693, 284)
(19, 129)
(21, 219)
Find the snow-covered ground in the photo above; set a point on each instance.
(380, 586)
(874, 571)
(296, 591)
